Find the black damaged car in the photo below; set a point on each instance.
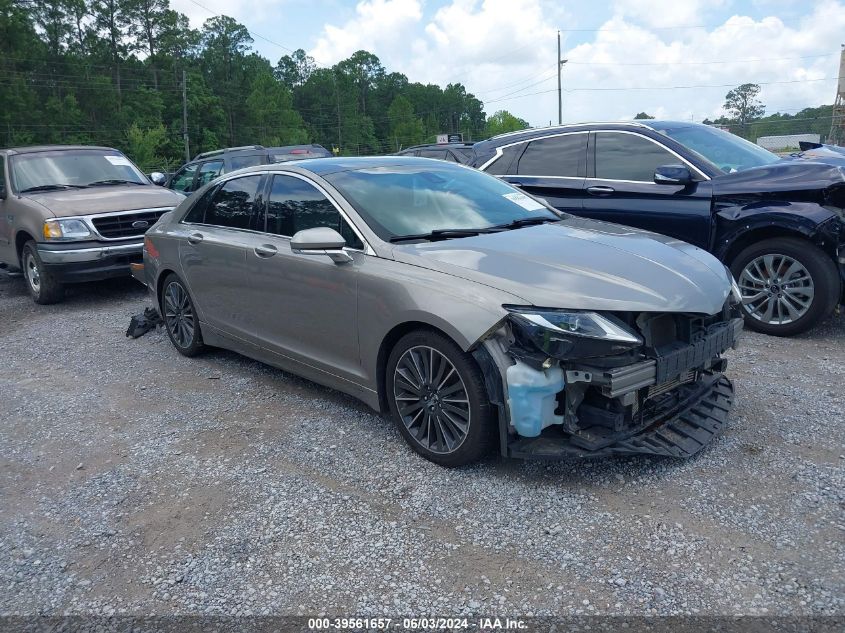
(778, 223)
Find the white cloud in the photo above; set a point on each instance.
(377, 25)
(666, 13)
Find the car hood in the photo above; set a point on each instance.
(105, 199)
(785, 176)
(583, 264)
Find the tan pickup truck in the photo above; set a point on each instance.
(74, 213)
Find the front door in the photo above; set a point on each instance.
(304, 306)
(620, 188)
(218, 231)
(6, 219)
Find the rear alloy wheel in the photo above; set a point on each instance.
(438, 399)
(180, 317)
(41, 284)
(787, 285)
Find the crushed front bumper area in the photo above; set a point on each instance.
(682, 432)
(669, 399)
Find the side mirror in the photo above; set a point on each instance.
(672, 175)
(158, 178)
(321, 241)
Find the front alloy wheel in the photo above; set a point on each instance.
(438, 399)
(180, 317)
(432, 399)
(787, 284)
(776, 289)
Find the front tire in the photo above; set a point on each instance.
(180, 317)
(40, 282)
(438, 400)
(788, 285)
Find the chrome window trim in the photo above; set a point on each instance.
(569, 125)
(367, 250)
(501, 149)
(659, 144)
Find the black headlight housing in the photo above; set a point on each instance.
(571, 334)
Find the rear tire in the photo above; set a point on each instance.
(180, 317)
(438, 400)
(40, 282)
(788, 285)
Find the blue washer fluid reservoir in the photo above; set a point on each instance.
(531, 397)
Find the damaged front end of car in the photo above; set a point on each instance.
(575, 382)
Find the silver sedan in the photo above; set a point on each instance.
(474, 315)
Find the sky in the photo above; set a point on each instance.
(673, 59)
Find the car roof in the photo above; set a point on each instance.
(324, 166)
(436, 146)
(52, 148)
(519, 135)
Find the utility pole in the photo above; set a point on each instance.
(560, 63)
(185, 115)
(837, 123)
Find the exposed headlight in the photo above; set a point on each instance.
(568, 334)
(66, 229)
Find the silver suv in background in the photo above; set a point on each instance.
(74, 213)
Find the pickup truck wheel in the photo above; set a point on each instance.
(787, 284)
(41, 284)
(438, 399)
(180, 317)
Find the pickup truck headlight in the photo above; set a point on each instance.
(569, 334)
(66, 230)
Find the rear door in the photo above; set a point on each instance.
(551, 167)
(213, 257)
(620, 188)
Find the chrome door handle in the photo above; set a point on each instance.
(265, 250)
(600, 190)
(195, 238)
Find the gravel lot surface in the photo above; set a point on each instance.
(133, 480)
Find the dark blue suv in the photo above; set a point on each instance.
(779, 224)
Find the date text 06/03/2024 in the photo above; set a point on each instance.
(416, 624)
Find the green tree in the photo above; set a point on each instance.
(742, 103)
(270, 115)
(502, 122)
(145, 146)
(642, 115)
(405, 127)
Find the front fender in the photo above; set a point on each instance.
(736, 222)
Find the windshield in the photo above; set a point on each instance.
(414, 200)
(726, 151)
(72, 168)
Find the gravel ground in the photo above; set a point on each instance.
(133, 480)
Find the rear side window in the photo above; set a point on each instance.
(239, 162)
(629, 157)
(505, 164)
(433, 153)
(183, 180)
(233, 204)
(556, 156)
(208, 172)
(295, 205)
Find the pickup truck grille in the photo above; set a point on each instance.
(121, 225)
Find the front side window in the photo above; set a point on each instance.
(295, 205)
(208, 172)
(72, 169)
(556, 156)
(184, 179)
(403, 200)
(629, 157)
(233, 203)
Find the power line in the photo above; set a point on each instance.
(707, 63)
